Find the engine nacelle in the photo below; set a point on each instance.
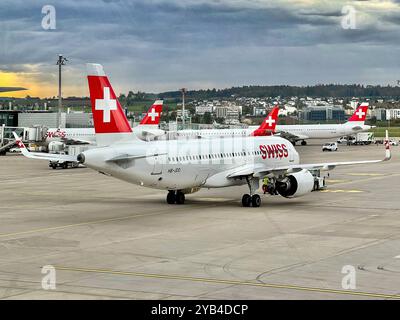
(149, 134)
(296, 185)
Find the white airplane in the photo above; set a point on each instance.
(147, 128)
(267, 127)
(354, 125)
(185, 166)
(294, 133)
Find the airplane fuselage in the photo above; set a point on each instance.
(313, 131)
(177, 164)
(323, 131)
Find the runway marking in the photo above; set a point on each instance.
(3, 235)
(341, 191)
(335, 181)
(366, 174)
(229, 282)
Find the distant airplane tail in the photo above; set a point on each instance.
(110, 121)
(153, 115)
(360, 114)
(268, 125)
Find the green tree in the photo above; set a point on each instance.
(207, 118)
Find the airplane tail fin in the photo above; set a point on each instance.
(268, 126)
(360, 114)
(152, 117)
(110, 122)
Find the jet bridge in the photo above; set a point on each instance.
(28, 135)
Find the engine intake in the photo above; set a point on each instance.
(296, 185)
(81, 158)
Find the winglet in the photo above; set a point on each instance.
(388, 154)
(21, 145)
(18, 141)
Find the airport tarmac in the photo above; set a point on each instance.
(108, 239)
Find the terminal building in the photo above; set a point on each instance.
(322, 113)
(17, 118)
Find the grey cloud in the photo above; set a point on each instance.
(159, 45)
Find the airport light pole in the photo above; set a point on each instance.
(183, 90)
(60, 62)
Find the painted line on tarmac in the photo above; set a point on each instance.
(228, 282)
(72, 225)
(370, 179)
(335, 181)
(341, 191)
(367, 174)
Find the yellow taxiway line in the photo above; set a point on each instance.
(341, 191)
(229, 282)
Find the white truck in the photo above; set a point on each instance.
(361, 138)
(364, 138)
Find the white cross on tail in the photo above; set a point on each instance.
(360, 113)
(270, 121)
(106, 104)
(153, 114)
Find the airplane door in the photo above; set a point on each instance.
(157, 167)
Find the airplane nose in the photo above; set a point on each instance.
(81, 158)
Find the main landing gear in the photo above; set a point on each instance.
(304, 143)
(175, 197)
(252, 199)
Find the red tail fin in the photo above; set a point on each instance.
(153, 115)
(108, 115)
(361, 113)
(267, 127)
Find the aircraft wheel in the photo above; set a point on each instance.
(171, 198)
(255, 201)
(303, 143)
(180, 197)
(246, 200)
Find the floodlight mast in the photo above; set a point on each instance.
(60, 62)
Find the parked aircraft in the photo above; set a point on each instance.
(293, 133)
(185, 166)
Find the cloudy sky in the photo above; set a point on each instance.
(160, 45)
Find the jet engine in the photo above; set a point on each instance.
(150, 134)
(296, 185)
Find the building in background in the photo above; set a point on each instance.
(392, 114)
(379, 113)
(322, 113)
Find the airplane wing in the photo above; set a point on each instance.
(76, 141)
(41, 155)
(258, 172)
(123, 157)
(290, 136)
